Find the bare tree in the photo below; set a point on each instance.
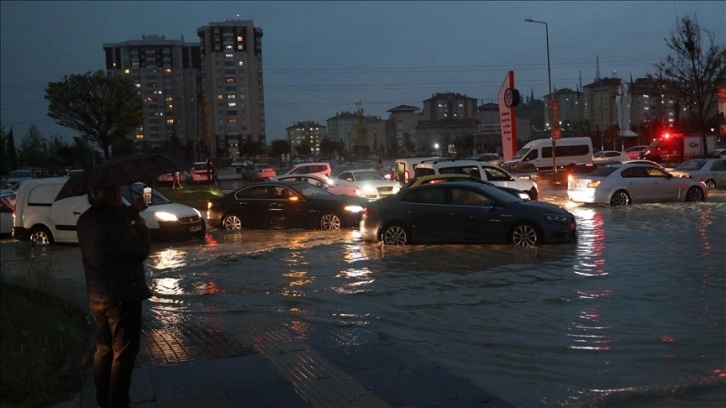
(104, 109)
(694, 70)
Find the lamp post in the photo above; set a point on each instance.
(549, 81)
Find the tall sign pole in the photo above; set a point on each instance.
(508, 99)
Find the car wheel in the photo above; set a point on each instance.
(711, 184)
(694, 194)
(40, 236)
(395, 235)
(330, 221)
(524, 235)
(620, 198)
(231, 222)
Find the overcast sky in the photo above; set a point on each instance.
(320, 58)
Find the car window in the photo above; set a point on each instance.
(346, 175)
(367, 175)
(426, 196)
(655, 172)
(691, 165)
(256, 192)
(634, 172)
(718, 165)
(603, 171)
(494, 174)
(313, 191)
(461, 196)
(468, 170)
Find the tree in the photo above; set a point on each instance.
(279, 147)
(328, 148)
(694, 70)
(33, 148)
(104, 109)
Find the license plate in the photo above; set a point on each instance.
(195, 228)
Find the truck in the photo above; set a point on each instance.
(675, 148)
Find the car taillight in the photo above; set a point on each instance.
(366, 211)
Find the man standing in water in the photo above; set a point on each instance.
(114, 242)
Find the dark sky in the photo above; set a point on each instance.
(320, 58)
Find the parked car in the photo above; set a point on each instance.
(635, 151)
(720, 153)
(16, 176)
(491, 158)
(464, 212)
(443, 178)
(320, 169)
(367, 183)
(711, 171)
(284, 205)
(262, 171)
(201, 172)
(42, 220)
(7, 206)
(483, 170)
(308, 178)
(404, 169)
(625, 184)
(563, 175)
(611, 155)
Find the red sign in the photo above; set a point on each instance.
(555, 118)
(507, 118)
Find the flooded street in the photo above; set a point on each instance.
(633, 311)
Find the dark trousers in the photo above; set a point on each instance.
(117, 344)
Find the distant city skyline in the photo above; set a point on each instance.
(320, 58)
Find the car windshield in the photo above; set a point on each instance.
(521, 153)
(691, 165)
(134, 191)
(368, 175)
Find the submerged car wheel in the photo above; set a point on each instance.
(620, 198)
(694, 194)
(395, 235)
(524, 235)
(711, 184)
(231, 222)
(40, 236)
(330, 221)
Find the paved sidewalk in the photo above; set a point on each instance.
(345, 368)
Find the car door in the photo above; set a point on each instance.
(345, 183)
(286, 209)
(427, 214)
(252, 206)
(662, 186)
(472, 218)
(717, 172)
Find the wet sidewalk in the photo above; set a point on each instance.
(341, 368)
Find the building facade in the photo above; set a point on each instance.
(304, 135)
(343, 127)
(444, 118)
(232, 85)
(167, 74)
(401, 129)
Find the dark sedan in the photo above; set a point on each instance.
(464, 212)
(284, 205)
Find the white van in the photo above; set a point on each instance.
(405, 169)
(568, 150)
(42, 220)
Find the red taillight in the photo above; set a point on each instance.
(405, 176)
(366, 211)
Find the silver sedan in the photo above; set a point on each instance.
(625, 184)
(710, 171)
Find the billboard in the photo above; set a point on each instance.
(508, 99)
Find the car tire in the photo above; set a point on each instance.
(395, 235)
(524, 235)
(40, 236)
(620, 198)
(694, 194)
(231, 222)
(711, 184)
(330, 221)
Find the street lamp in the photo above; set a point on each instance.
(549, 80)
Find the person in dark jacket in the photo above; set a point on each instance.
(114, 242)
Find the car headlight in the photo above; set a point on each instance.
(165, 216)
(556, 218)
(524, 196)
(353, 208)
(369, 190)
(396, 189)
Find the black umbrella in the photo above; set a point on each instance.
(123, 170)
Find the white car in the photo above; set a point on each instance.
(625, 184)
(366, 183)
(7, 205)
(323, 183)
(635, 151)
(711, 171)
(611, 155)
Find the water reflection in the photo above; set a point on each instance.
(170, 258)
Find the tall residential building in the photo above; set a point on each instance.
(167, 75)
(234, 103)
(302, 133)
(343, 127)
(571, 108)
(401, 128)
(444, 118)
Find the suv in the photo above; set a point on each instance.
(319, 169)
(481, 170)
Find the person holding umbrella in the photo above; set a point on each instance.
(114, 242)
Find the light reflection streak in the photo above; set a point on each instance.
(704, 220)
(298, 278)
(361, 281)
(169, 258)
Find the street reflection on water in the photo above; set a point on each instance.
(634, 309)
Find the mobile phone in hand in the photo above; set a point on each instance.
(147, 196)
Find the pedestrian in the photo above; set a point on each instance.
(176, 183)
(215, 178)
(114, 242)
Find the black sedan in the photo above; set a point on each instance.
(284, 205)
(464, 212)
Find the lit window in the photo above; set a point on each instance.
(219, 96)
(139, 136)
(231, 104)
(232, 121)
(241, 63)
(170, 121)
(231, 96)
(127, 71)
(229, 55)
(167, 70)
(239, 38)
(230, 80)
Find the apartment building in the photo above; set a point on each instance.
(167, 75)
(444, 118)
(308, 133)
(232, 85)
(401, 129)
(343, 127)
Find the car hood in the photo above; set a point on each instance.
(549, 207)
(377, 183)
(180, 210)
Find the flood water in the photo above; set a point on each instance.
(632, 312)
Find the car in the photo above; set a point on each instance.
(43, 220)
(404, 169)
(635, 151)
(644, 161)
(320, 169)
(491, 158)
(308, 178)
(717, 153)
(7, 206)
(443, 178)
(483, 170)
(16, 176)
(74, 171)
(565, 174)
(629, 183)
(201, 172)
(283, 205)
(367, 183)
(711, 171)
(464, 212)
(611, 155)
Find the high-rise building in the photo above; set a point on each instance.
(167, 75)
(306, 136)
(234, 103)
